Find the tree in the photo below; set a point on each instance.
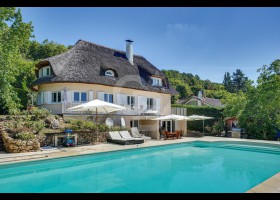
(46, 49)
(261, 115)
(184, 91)
(227, 82)
(239, 81)
(234, 104)
(14, 40)
(174, 99)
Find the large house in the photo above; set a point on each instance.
(89, 71)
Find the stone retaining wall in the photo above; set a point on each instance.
(19, 146)
(2, 148)
(83, 137)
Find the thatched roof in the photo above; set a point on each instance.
(86, 62)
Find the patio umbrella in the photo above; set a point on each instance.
(199, 117)
(97, 106)
(172, 117)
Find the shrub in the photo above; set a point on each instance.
(103, 128)
(119, 128)
(41, 113)
(218, 126)
(25, 136)
(37, 126)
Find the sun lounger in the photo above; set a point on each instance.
(114, 137)
(126, 135)
(135, 134)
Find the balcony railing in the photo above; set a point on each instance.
(130, 110)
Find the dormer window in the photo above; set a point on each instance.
(45, 71)
(110, 73)
(156, 81)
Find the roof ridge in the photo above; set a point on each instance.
(80, 40)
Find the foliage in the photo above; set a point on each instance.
(37, 126)
(80, 125)
(39, 113)
(261, 114)
(14, 40)
(174, 99)
(227, 82)
(25, 136)
(218, 126)
(234, 104)
(187, 85)
(46, 49)
(201, 110)
(237, 82)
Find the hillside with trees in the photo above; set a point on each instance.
(18, 58)
(188, 84)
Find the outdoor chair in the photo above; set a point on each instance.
(167, 135)
(178, 134)
(114, 137)
(126, 135)
(135, 134)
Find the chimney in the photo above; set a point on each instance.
(129, 51)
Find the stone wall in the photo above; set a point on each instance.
(83, 137)
(19, 146)
(2, 148)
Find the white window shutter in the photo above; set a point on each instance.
(139, 102)
(124, 99)
(101, 96)
(136, 100)
(142, 103)
(90, 95)
(50, 97)
(39, 98)
(45, 97)
(158, 104)
(62, 95)
(42, 98)
(119, 99)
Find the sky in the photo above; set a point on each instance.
(203, 41)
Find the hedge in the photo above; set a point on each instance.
(201, 110)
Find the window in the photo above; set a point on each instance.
(157, 81)
(56, 97)
(131, 101)
(109, 73)
(108, 98)
(168, 125)
(45, 71)
(80, 96)
(83, 96)
(134, 123)
(48, 71)
(150, 104)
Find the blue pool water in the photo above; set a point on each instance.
(185, 167)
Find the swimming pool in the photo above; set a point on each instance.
(185, 167)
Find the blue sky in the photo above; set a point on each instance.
(203, 41)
